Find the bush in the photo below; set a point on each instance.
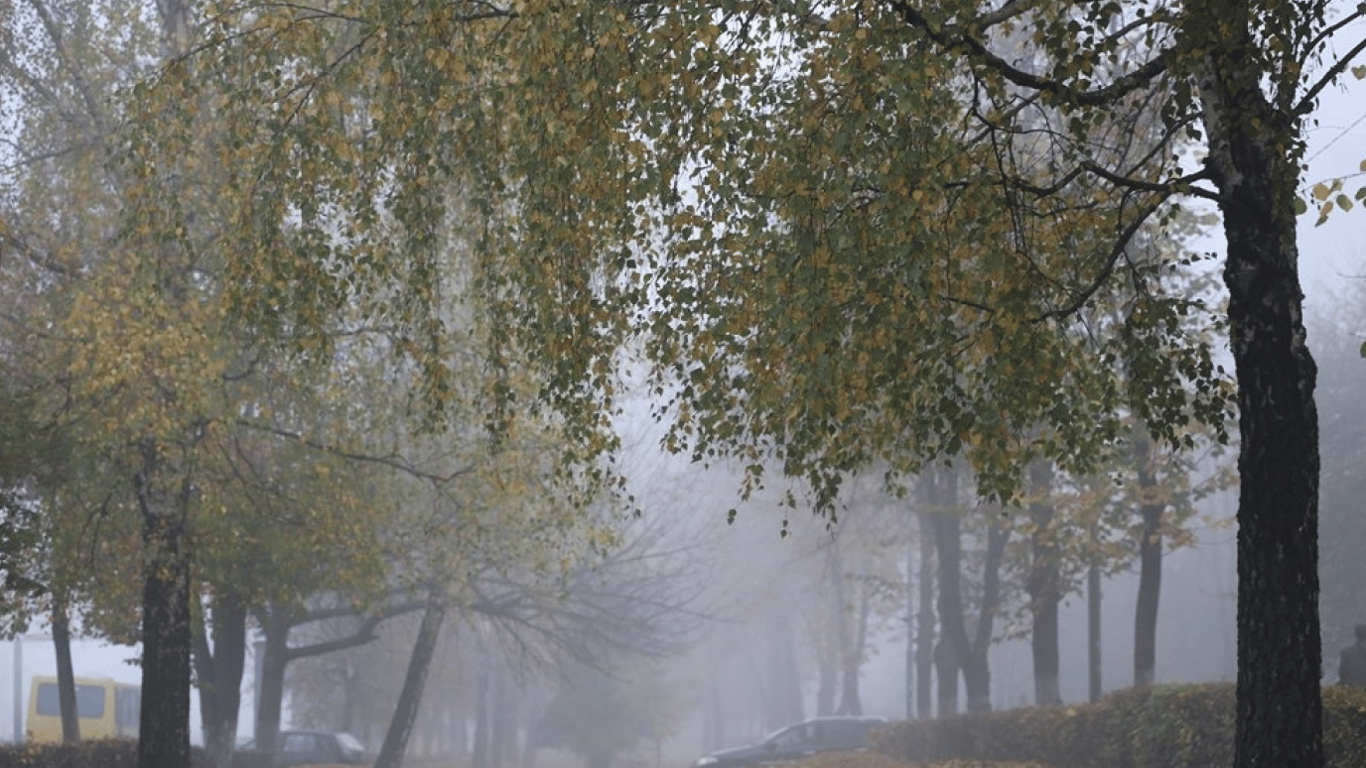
(1167, 726)
(94, 753)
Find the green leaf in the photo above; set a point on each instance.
(1300, 206)
(1359, 72)
(1344, 202)
(1363, 349)
(1324, 213)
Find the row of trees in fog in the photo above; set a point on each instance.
(322, 316)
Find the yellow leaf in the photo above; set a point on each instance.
(1321, 191)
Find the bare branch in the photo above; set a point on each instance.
(1306, 104)
(1125, 236)
(393, 461)
(954, 38)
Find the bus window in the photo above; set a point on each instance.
(89, 701)
(127, 710)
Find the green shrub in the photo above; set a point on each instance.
(1166, 726)
(94, 753)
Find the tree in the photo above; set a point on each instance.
(1337, 335)
(597, 713)
(820, 221)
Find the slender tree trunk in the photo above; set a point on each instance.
(1149, 568)
(219, 670)
(164, 724)
(909, 691)
(419, 664)
(66, 676)
(827, 669)
(924, 660)
(997, 537)
(480, 758)
(953, 636)
(1043, 586)
(512, 715)
(498, 735)
(1093, 635)
(1254, 162)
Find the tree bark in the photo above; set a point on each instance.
(1254, 161)
(405, 713)
(271, 687)
(1094, 647)
(1149, 568)
(924, 660)
(968, 653)
(498, 734)
(164, 723)
(851, 703)
(1043, 586)
(219, 669)
(910, 679)
(66, 676)
(480, 756)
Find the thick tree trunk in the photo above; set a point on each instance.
(405, 713)
(1255, 166)
(271, 686)
(970, 657)
(66, 676)
(164, 724)
(851, 702)
(976, 682)
(1149, 568)
(219, 669)
(1043, 586)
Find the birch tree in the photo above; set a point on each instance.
(819, 223)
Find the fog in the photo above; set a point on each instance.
(771, 564)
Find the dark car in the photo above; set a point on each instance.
(822, 734)
(317, 748)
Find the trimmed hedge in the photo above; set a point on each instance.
(93, 753)
(1166, 726)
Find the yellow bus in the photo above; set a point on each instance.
(106, 709)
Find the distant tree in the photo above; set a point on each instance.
(598, 713)
(1337, 333)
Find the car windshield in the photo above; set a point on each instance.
(349, 743)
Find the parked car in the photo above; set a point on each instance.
(317, 748)
(821, 734)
